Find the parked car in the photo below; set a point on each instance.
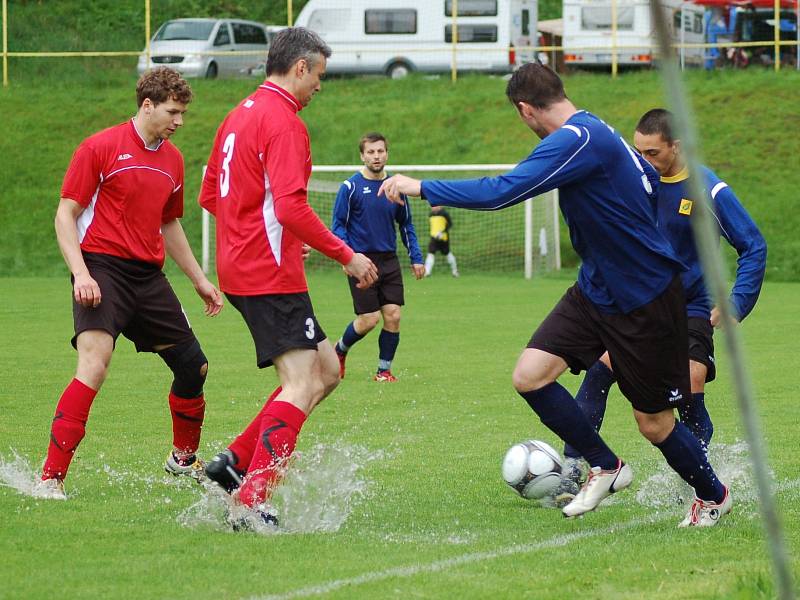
(396, 37)
(207, 47)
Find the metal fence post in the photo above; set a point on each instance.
(777, 30)
(454, 40)
(147, 33)
(614, 65)
(5, 43)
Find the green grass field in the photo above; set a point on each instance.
(401, 481)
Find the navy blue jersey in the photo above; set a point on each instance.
(365, 222)
(607, 197)
(675, 207)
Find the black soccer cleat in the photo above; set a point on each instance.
(221, 471)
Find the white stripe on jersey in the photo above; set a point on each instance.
(273, 228)
(716, 189)
(174, 189)
(87, 216)
(573, 129)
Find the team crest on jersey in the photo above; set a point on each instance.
(685, 207)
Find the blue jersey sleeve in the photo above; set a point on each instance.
(341, 212)
(563, 157)
(408, 234)
(741, 232)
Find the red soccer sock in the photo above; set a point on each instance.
(244, 446)
(68, 428)
(280, 426)
(187, 422)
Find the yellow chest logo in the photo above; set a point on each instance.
(685, 207)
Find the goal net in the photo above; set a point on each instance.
(521, 239)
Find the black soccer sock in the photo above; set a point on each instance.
(349, 337)
(686, 457)
(695, 416)
(592, 397)
(559, 412)
(387, 346)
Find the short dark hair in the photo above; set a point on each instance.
(292, 44)
(536, 85)
(657, 121)
(369, 138)
(162, 84)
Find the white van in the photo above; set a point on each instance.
(207, 47)
(587, 31)
(396, 37)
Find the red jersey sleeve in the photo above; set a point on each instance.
(173, 209)
(83, 176)
(208, 189)
(285, 165)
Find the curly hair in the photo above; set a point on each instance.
(162, 84)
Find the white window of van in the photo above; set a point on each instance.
(472, 8)
(471, 33)
(244, 33)
(599, 17)
(329, 20)
(399, 20)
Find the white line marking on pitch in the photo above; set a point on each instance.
(473, 557)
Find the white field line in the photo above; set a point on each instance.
(474, 557)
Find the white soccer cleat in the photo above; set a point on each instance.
(599, 485)
(703, 513)
(51, 489)
(195, 469)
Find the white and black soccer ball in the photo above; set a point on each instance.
(533, 468)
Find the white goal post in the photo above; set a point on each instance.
(525, 239)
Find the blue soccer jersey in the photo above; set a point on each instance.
(675, 207)
(365, 222)
(607, 196)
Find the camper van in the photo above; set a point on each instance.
(396, 37)
(588, 32)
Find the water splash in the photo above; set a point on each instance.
(318, 494)
(731, 463)
(18, 474)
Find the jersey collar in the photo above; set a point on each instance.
(140, 140)
(681, 175)
(268, 85)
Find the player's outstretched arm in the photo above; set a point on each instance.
(363, 269)
(177, 246)
(397, 185)
(85, 289)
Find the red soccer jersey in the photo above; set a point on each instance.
(128, 191)
(256, 187)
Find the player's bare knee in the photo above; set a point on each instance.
(525, 381)
(189, 366)
(367, 322)
(655, 427)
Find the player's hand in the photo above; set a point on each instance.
(306, 251)
(210, 295)
(362, 269)
(418, 270)
(716, 318)
(86, 291)
(397, 185)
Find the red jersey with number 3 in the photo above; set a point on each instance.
(256, 186)
(127, 190)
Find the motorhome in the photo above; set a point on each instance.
(589, 36)
(396, 37)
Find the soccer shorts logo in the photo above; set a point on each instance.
(310, 328)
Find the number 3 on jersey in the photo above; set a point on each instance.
(225, 177)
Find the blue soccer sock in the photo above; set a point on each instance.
(592, 397)
(686, 457)
(349, 337)
(387, 346)
(559, 412)
(695, 416)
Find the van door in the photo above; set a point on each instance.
(524, 23)
(222, 46)
(248, 37)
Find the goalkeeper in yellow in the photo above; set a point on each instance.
(440, 223)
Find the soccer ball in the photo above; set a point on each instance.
(533, 469)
